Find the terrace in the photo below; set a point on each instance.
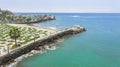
(27, 34)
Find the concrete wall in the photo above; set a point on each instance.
(48, 40)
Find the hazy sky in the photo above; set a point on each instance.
(98, 6)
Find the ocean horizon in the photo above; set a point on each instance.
(49, 13)
(99, 46)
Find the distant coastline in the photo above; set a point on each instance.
(10, 17)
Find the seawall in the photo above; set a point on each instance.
(8, 58)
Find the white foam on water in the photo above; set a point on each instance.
(54, 28)
(75, 16)
(44, 49)
(33, 52)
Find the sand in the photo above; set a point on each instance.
(32, 26)
(50, 32)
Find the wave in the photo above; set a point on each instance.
(76, 16)
(54, 28)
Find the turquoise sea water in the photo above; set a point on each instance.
(99, 46)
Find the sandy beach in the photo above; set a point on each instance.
(32, 26)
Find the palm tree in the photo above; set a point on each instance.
(14, 34)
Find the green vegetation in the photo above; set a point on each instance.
(14, 46)
(14, 34)
(8, 17)
(22, 34)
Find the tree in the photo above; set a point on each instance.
(28, 19)
(14, 33)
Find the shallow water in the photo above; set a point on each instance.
(99, 46)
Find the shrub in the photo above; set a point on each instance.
(14, 46)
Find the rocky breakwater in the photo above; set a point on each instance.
(8, 58)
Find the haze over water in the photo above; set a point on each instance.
(99, 46)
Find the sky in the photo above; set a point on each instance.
(71, 6)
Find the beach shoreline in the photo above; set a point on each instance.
(31, 26)
(39, 42)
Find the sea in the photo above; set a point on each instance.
(99, 46)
